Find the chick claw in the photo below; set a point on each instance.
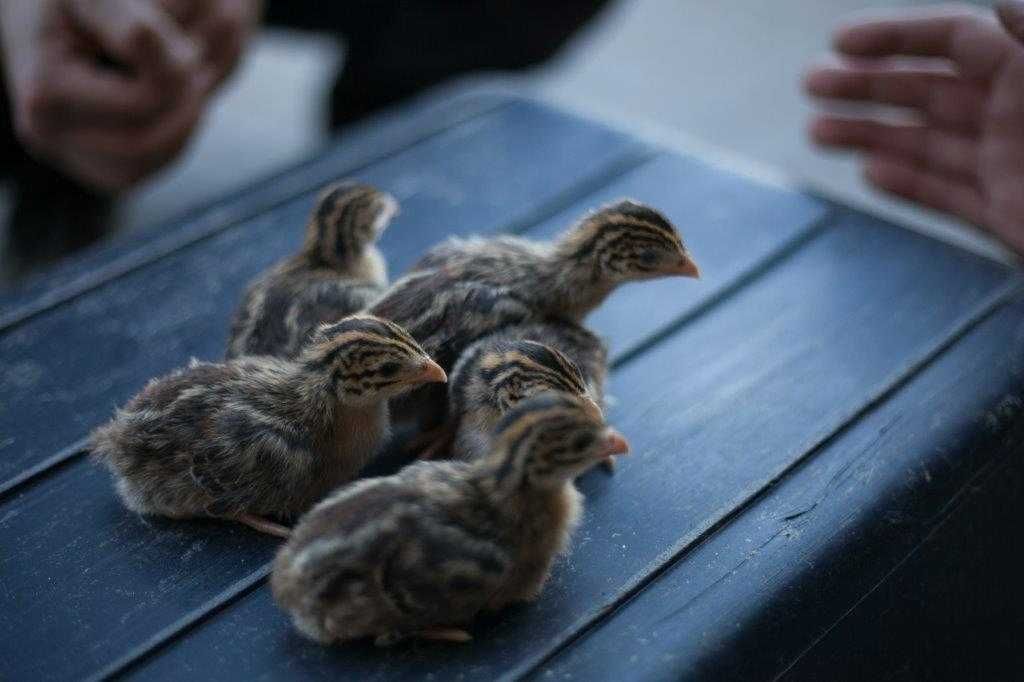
(444, 635)
(434, 450)
(432, 444)
(263, 525)
(431, 634)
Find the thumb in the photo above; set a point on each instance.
(1011, 14)
(136, 33)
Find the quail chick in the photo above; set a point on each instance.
(466, 288)
(262, 437)
(422, 552)
(337, 272)
(502, 369)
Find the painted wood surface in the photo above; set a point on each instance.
(91, 354)
(812, 321)
(798, 560)
(716, 414)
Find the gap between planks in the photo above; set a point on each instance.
(786, 250)
(225, 598)
(998, 299)
(215, 218)
(980, 477)
(633, 157)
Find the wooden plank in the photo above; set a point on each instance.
(716, 414)
(355, 149)
(952, 609)
(658, 182)
(750, 600)
(503, 171)
(80, 572)
(64, 372)
(685, 186)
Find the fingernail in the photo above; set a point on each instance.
(823, 133)
(814, 80)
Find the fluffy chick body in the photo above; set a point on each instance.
(514, 364)
(432, 546)
(467, 288)
(261, 436)
(337, 272)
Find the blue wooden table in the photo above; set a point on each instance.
(808, 421)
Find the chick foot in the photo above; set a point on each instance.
(444, 635)
(431, 634)
(263, 525)
(432, 444)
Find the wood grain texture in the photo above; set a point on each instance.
(716, 414)
(64, 372)
(751, 600)
(809, 323)
(952, 608)
(80, 571)
(657, 182)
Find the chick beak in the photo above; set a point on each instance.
(614, 444)
(592, 409)
(430, 372)
(686, 268)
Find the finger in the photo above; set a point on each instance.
(1011, 15)
(944, 98)
(1010, 229)
(79, 94)
(112, 162)
(919, 184)
(224, 43)
(108, 176)
(938, 150)
(965, 36)
(137, 34)
(113, 174)
(154, 143)
(185, 12)
(224, 29)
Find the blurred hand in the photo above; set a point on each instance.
(964, 153)
(221, 29)
(109, 91)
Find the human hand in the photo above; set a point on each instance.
(107, 91)
(220, 28)
(964, 153)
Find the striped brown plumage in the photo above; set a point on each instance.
(502, 369)
(422, 552)
(464, 289)
(261, 436)
(337, 272)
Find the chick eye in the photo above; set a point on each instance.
(583, 441)
(648, 257)
(390, 369)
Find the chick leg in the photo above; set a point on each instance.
(388, 639)
(263, 525)
(433, 444)
(444, 635)
(438, 634)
